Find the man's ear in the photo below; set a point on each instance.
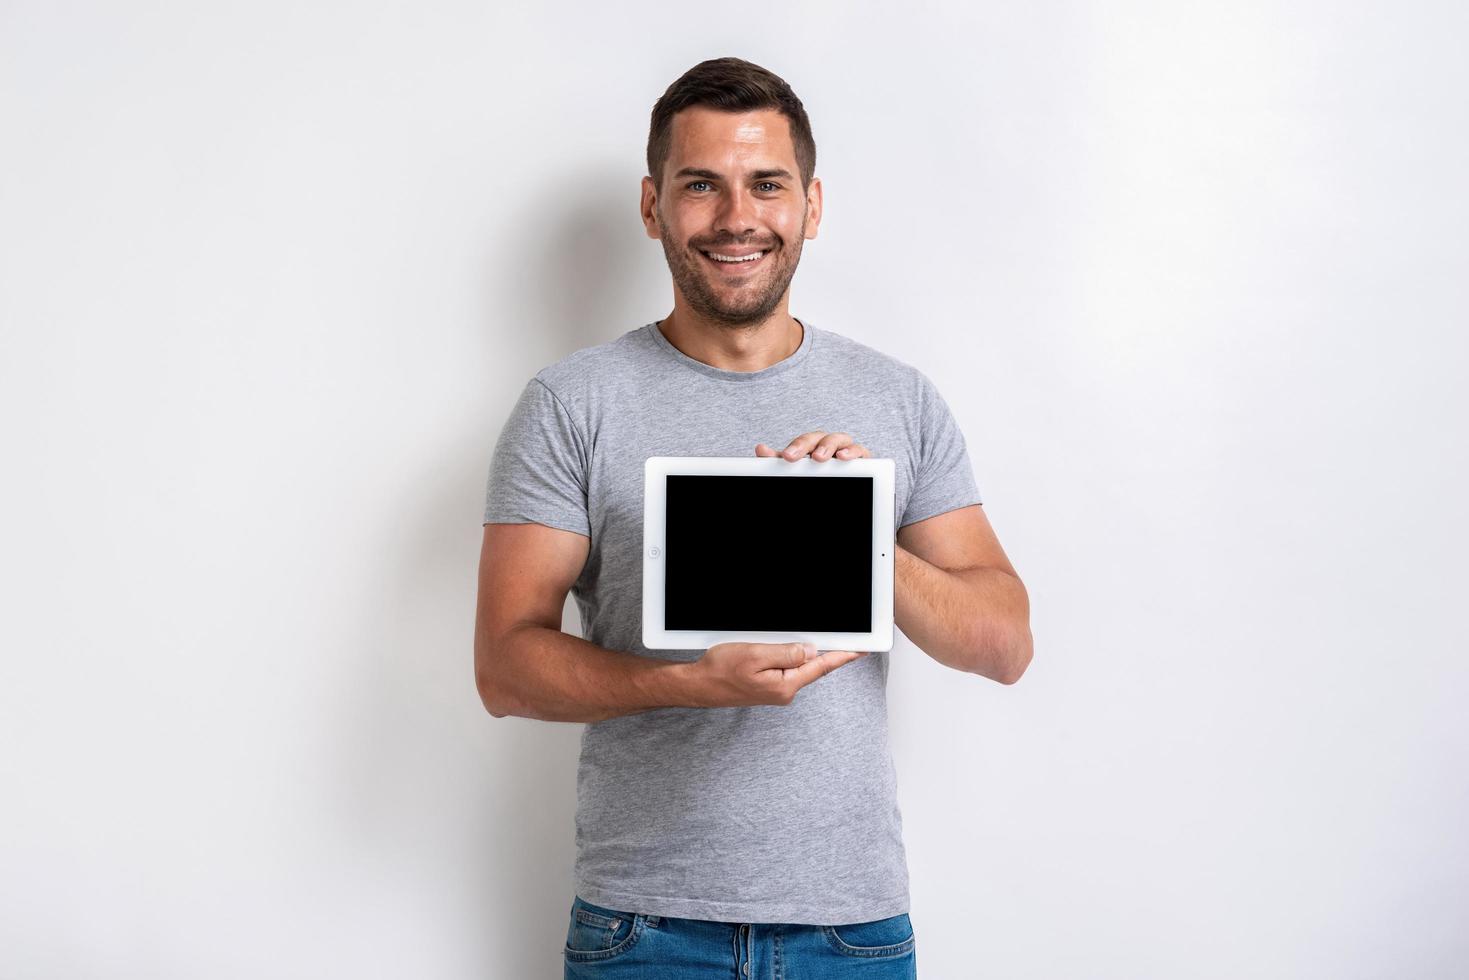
(649, 209)
(813, 207)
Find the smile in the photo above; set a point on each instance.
(735, 263)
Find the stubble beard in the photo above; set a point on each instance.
(739, 306)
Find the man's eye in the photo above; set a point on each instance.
(764, 183)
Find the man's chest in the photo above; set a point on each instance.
(622, 441)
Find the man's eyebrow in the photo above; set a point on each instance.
(711, 175)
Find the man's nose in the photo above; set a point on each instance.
(736, 213)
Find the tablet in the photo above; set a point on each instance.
(767, 550)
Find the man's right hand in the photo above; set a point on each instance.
(731, 675)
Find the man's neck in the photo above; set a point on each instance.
(742, 349)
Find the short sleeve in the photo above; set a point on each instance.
(538, 469)
(945, 479)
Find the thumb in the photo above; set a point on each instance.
(791, 654)
(826, 662)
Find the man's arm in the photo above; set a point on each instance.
(525, 666)
(955, 593)
(547, 675)
(957, 597)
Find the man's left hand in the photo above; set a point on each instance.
(819, 445)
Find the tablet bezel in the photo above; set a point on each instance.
(884, 503)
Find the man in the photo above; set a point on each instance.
(736, 807)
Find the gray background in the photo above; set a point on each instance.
(1190, 275)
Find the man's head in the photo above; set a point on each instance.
(731, 167)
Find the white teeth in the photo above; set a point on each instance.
(742, 258)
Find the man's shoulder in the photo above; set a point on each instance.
(582, 368)
(853, 357)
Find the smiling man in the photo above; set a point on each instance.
(732, 233)
(736, 806)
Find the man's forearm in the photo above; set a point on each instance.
(976, 621)
(548, 675)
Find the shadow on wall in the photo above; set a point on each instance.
(433, 788)
(574, 272)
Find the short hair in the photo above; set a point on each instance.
(730, 85)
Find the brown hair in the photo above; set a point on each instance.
(730, 85)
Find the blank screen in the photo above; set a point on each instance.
(783, 553)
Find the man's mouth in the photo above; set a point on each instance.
(735, 262)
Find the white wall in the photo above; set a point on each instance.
(1192, 277)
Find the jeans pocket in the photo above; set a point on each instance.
(892, 936)
(599, 933)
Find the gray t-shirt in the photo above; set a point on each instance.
(772, 813)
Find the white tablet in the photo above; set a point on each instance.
(767, 550)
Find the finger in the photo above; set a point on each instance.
(782, 655)
(825, 662)
(853, 452)
(830, 443)
(801, 445)
(763, 450)
(788, 659)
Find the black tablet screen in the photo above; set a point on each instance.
(783, 553)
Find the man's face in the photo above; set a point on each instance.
(731, 186)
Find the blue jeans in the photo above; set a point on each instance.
(608, 944)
